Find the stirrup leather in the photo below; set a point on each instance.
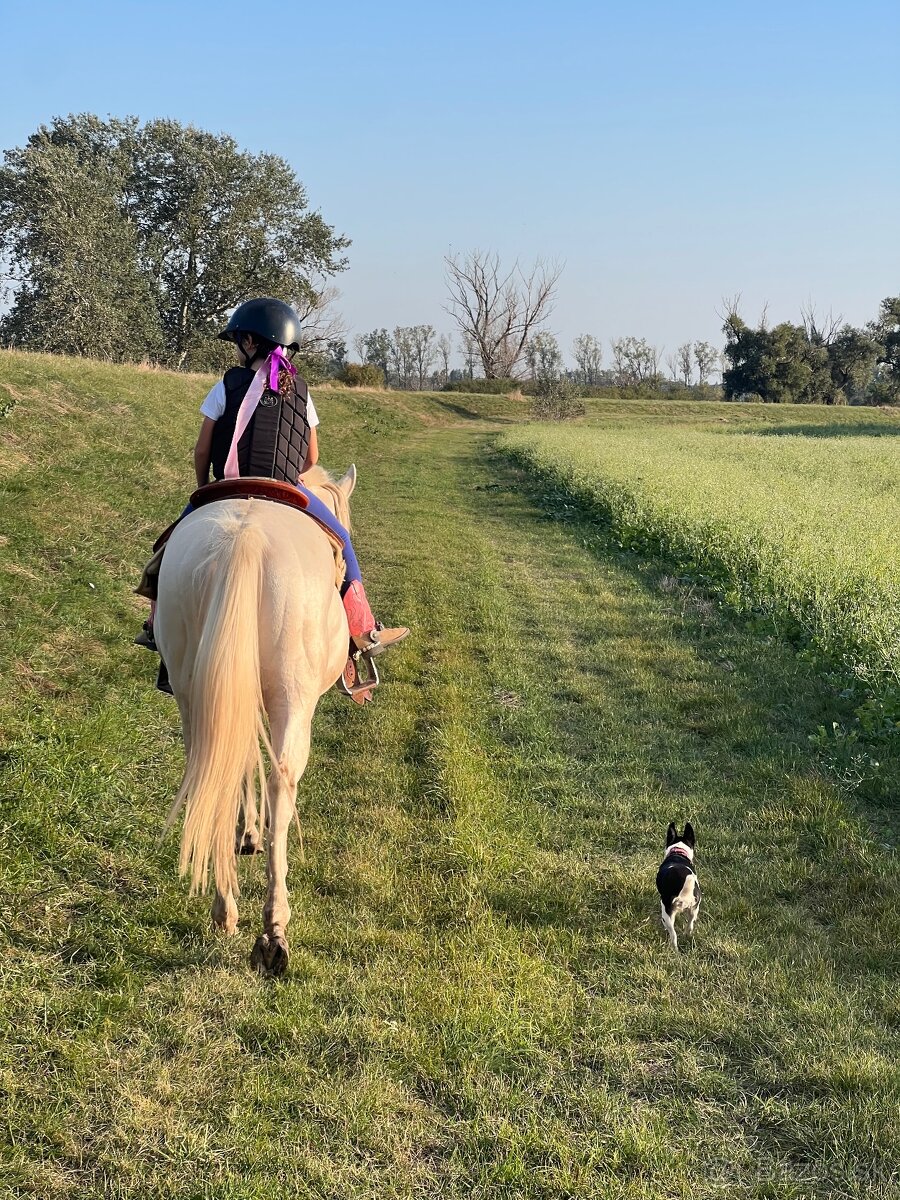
(359, 677)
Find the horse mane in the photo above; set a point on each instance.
(317, 479)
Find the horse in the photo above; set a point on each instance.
(253, 631)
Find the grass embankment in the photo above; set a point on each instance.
(480, 1003)
(790, 512)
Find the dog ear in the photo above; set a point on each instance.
(688, 836)
(671, 834)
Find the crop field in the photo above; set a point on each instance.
(791, 513)
(480, 1003)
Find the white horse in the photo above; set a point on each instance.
(251, 626)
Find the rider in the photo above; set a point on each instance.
(258, 328)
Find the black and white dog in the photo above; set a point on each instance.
(677, 883)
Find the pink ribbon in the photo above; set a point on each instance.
(267, 374)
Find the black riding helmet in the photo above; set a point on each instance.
(266, 318)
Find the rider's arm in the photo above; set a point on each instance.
(203, 451)
(312, 454)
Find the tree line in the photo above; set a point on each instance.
(132, 241)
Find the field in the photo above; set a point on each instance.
(786, 512)
(481, 1003)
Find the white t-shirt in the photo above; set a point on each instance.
(214, 405)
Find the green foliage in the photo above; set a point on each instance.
(797, 364)
(885, 387)
(800, 527)
(132, 241)
(364, 375)
(483, 387)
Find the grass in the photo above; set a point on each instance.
(793, 516)
(480, 1001)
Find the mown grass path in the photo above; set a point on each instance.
(480, 1003)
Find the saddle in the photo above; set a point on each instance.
(360, 675)
(246, 488)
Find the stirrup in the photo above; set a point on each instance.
(356, 683)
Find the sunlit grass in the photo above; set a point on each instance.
(481, 1003)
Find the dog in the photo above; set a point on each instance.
(677, 883)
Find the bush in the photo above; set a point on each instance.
(483, 387)
(556, 400)
(364, 375)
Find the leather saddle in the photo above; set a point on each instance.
(244, 488)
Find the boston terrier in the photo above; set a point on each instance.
(677, 883)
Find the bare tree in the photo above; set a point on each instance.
(499, 310)
(672, 364)
(684, 358)
(319, 322)
(588, 354)
(360, 345)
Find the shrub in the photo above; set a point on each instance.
(556, 400)
(483, 387)
(364, 375)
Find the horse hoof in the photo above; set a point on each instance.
(269, 956)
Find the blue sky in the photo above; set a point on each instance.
(670, 155)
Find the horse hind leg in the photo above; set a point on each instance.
(248, 836)
(270, 953)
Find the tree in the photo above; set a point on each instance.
(635, 363)
(163, 214)
(72, 247)
(423, 350)
(555, 397)
(812, 363)
(377, 348)
(885, 333)
(403, 355)
(469, 350)
(706, 357)
(499, 310)
(684, 361)
(588, 354)
(544, 358)
(444, 350)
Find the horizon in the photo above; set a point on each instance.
(670, 160)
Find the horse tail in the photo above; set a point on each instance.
(226, 716)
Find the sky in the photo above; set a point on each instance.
(668, 156)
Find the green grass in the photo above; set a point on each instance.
(481, 1003)
(793, 516)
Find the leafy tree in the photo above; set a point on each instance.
(444, 349)
(635, 364)
(555, 396)
(73, 247)
(885, 333)
(376, 347)
(684, 361)
(403, 355)
(812, 363)
(706, 357)
(163, 217)
(423, 350)
(588, 354)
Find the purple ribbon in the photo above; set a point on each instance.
(269, 370)
(278, 359)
